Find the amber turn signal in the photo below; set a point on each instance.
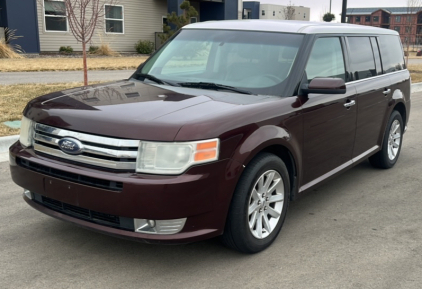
(205, 155)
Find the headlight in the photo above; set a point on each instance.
(175, 158)
(27, 132)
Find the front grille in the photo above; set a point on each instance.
(67, 176)
(98, 151)
(85, 214)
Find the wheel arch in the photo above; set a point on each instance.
(401, 108)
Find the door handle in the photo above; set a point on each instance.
(350, 104)
(387, 92)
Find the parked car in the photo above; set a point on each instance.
(217, 131)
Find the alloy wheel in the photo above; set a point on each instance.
(265, 204)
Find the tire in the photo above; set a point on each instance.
(238, 234)
(387, 157)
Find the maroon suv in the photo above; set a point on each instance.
(217, 131)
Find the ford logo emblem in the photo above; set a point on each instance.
(71, 146)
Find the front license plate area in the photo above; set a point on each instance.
(61, 191)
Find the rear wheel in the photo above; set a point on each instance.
(387, 157)
(259, 205)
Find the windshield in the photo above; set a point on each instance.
(259, 62)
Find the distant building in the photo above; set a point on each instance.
(406, 21)
(256, 10)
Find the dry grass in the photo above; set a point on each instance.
(415, 72)
(105, 49)
(13, 99)
(67, 64)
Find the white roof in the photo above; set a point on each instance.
(289, 26)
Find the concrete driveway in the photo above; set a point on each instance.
(360, 230)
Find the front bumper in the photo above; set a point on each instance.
(202, 195)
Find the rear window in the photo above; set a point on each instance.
(391, 53)
(362, 57)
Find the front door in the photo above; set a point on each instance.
(329, 120)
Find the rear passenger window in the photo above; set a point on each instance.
(391, 53)
(326, 59)
(362, 57)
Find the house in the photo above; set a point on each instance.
(405, 20)
(257, 10)
(44, 28)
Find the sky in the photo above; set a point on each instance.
(319, 7)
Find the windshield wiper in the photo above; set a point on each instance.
(214, 86)
(153, 78)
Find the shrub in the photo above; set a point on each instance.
(66, 49)
(105, 49)
(144, 47)
(8, 50)
(93, 49)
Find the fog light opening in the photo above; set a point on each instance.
(163, 227)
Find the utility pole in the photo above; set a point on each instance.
(343, 11)
(330, 5)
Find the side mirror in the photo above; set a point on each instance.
(325, 86)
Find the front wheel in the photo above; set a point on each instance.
(259, 205)
(387, 157)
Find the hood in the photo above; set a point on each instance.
(133, 109)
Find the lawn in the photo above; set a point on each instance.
(68, 64)
(13, 99)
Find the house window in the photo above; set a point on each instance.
(304, 15)
(407, 29)
(398, 19)
(55, 16)
(409, 19)
(367, 18)
(376, 18)
(164, 22)
(397, 28)
(273, 13)
(114, 19)
(263, 12)
(193, 20)
(357, 18)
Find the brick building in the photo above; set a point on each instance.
(407, 21)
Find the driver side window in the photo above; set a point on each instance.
(326, 59)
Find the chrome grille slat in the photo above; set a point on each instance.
(111, 153)
(86, 160)
(87, 137)
(91, 149)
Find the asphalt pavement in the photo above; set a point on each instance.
(7, 78)
(363, 229)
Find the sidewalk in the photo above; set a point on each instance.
(7, 78)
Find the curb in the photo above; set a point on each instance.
(6, 142)
(416, 87)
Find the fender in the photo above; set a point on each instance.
(265, 137)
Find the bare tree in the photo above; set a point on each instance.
(413, 7)
(84, 18)
(289, 11)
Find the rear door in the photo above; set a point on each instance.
(329, 119)
(373, 88)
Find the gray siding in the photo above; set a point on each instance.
(142, 18)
